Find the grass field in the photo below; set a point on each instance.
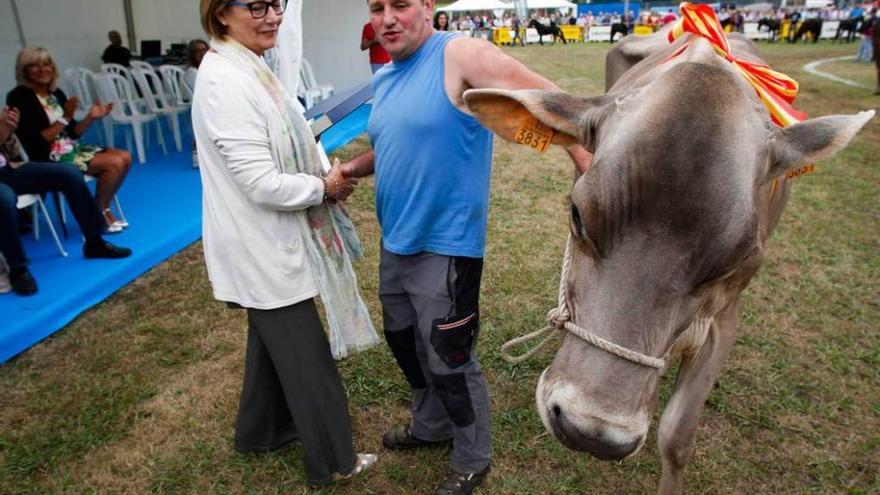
(139, 394)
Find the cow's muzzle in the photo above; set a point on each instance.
(602, 438)
(596, 443)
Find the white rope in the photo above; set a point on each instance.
(559, 320)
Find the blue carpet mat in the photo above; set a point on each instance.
(162, 201)
(347, 129)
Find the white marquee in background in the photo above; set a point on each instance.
(75, 32)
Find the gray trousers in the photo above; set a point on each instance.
(431, 315)
(292, 391)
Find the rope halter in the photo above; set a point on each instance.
(559, 320)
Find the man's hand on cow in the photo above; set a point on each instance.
(580, 156)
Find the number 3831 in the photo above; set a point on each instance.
(535, 140)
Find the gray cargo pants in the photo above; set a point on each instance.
(430, 306)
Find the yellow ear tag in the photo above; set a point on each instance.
(800, 172)
(534, 133)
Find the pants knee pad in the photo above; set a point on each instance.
(456, 399)
(403, 347)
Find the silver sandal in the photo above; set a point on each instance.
(364, 463)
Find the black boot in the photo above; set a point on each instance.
(99, 248)
(22, 281)
(461, 483)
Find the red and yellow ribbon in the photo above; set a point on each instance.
(776, 90)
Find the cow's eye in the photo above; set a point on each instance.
(579, 232)
(577, 226)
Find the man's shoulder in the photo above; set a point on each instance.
(465, 51)
(467, 45)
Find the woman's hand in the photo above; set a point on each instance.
(100, 111)
(8, 123)
(70, 107)
(337, 187)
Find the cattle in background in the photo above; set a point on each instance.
(851, 27)
(619, 28)
(543, 30)
(812, 26)
(772, 26)
(667, 227)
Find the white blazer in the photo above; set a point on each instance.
(253, 214)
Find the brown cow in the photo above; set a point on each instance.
(668, 226)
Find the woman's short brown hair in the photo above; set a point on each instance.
(30, 55)
(208, 12)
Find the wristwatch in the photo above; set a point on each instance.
(63, 121)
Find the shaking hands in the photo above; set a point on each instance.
(337, 186)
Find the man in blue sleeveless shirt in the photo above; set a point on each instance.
(432, 161)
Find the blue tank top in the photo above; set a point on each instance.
(433, 161)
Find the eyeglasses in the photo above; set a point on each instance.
(260, 9)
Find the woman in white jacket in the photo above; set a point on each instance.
(274, 239)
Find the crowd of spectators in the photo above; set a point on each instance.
(738, 17)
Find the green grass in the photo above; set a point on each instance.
(139, 394)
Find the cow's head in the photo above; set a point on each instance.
(665, 227)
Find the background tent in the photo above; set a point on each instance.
(75, 32)
(550, 4)
(476, 5)
(757, 7)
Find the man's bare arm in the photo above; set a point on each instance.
(476, 64)
(473, 64)
(360, 166)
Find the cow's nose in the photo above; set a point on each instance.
(602, 442)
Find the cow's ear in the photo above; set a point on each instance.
(812, 140)
(508, 112)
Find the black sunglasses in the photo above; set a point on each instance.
(261, 9)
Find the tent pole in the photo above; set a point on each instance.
(522, 11)
(129, 25)
(18, 24)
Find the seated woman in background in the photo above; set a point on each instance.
(48, 131)
(195, 52)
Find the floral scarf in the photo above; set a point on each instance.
(332, 241)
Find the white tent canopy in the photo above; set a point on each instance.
(550, 4)
(476, 5)
(75, 32)
(758, 7)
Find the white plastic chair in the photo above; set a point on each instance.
(139, 64)
(308, 76)
(309, 89)
(119, 70)
(311, 96)
(126, 73)
(116, 89)
(87, 91)
(157, 102)
(34, 202)
(69, 84)
(176, 88)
